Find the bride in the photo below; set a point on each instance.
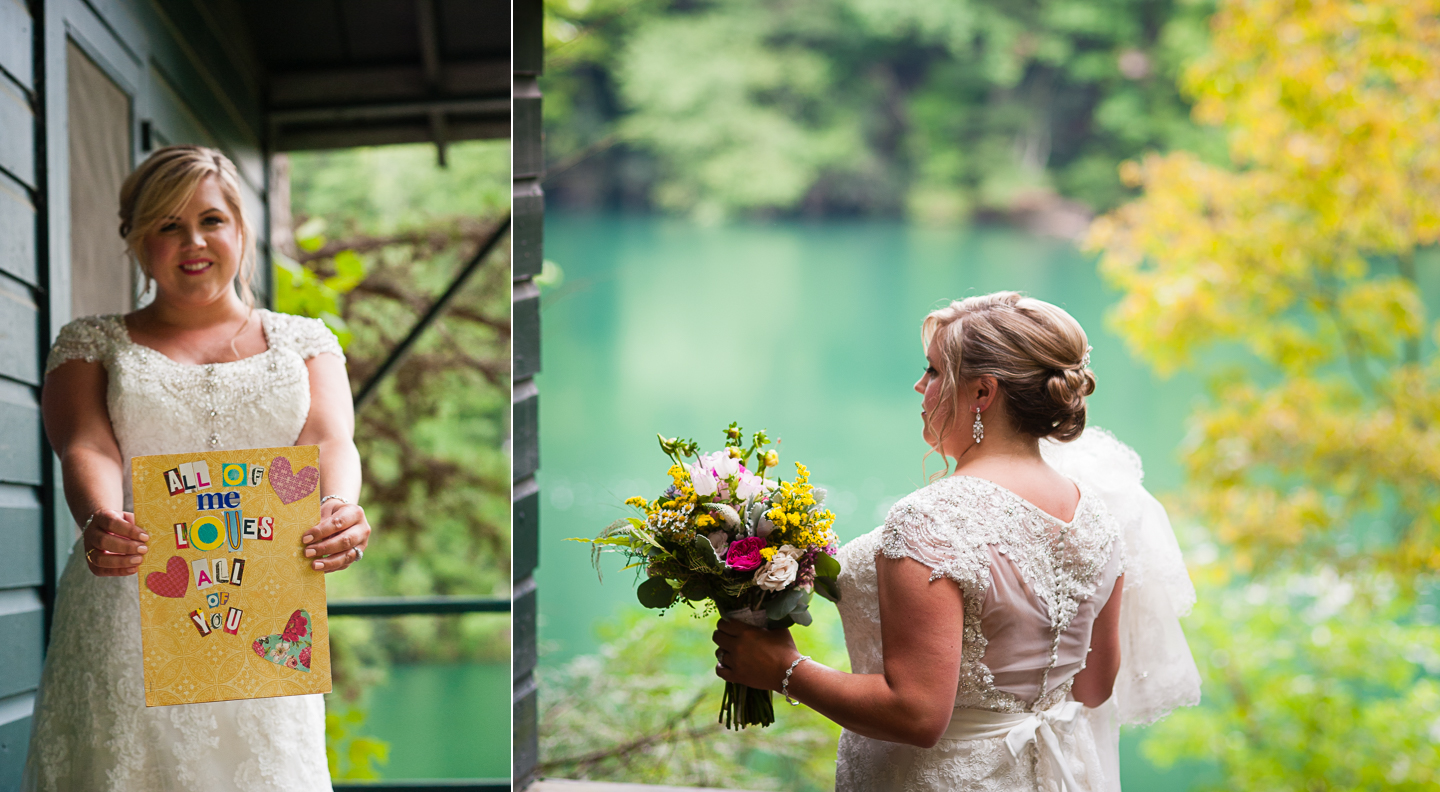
(1009, 616)
(198, 369)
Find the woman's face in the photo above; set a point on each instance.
(194, 255)
(933, 415)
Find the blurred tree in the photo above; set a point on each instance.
(1292, 277)
(936, 110)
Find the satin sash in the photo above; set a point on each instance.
(1019, 729)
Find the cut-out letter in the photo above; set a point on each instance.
(212, 600)
(234, 476)
(200, 623)
(216, 620)
(237, 571)
(182, 536)
(202, 474)
(267, 528)
(222, 570)
(234, 539)
(232, 620)
(173, 482)
(201, 569)
(249, 528)
(257, 474)
(187, 476)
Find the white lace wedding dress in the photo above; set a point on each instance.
(1032, 586)
(92, 730)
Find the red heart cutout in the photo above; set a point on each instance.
(289, 485)
(173, 581)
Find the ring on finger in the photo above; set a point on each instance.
(359, 554)
(89, 557)
(720, 658)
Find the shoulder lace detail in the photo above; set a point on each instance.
(90, 338)
(307, 337)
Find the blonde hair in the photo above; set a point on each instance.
(1037, 353)
(163, 184)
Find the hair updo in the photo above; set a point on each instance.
(163, 184)
(1036, 352)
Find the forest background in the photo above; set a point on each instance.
(1265, 178)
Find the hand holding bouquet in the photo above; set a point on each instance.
(754, 548)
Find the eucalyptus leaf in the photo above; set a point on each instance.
(656, 593)
(781, 606)
(801, 616)
(705, 552)
(826, 588)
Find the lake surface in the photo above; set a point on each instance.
(808, 330)
(443, 720)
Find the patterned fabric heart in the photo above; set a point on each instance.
(173, 581)
(289, 485)
(290, 648)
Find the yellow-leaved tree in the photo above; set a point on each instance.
(1292, 277)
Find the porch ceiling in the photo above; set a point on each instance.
(341, 73)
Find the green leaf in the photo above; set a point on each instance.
(826, 588)
(656, 593)
(705, 552)
(781, 606)
(801, 616)
(826, 566)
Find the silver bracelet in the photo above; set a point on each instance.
(332, 497)
(785, 685)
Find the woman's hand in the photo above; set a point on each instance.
(337, 540)
(114, 545)
(751, 656)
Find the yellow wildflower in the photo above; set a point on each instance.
(767, 553)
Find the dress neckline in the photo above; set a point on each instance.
(262, 313)
(1032, 507)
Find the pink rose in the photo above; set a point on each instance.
(744, 554)
(305, 657)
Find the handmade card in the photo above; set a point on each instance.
(229, 605)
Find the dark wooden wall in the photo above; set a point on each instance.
(183, 65)
(529, 208)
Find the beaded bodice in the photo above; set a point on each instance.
(160, 406)
(1031, 584)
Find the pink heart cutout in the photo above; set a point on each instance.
(289, 485)
(173, 581)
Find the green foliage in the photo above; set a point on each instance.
(1311, 681)
(936, 110)
(643, 711)
(1291, 276)
(350, 755)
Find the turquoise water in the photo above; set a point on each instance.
(443, 721)
(809, 330)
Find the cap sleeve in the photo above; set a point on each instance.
(308, 337)
(91, 339)
(933, 532)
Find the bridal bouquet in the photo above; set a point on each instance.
(752, 548)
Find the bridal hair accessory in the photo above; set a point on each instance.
(785, 685)
(1085, 361)
(978, 431)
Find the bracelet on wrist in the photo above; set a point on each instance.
(333, 497)
(785, 685)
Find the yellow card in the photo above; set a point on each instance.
(229, 606)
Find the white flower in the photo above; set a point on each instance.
(702, 479)
(779, 573)
(748, 487)
(721, 542)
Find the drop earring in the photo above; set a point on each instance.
(979, 429)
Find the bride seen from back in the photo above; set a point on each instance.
(984, 620)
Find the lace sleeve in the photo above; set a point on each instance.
(308, 337)
(90, 339)
(925, 529)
